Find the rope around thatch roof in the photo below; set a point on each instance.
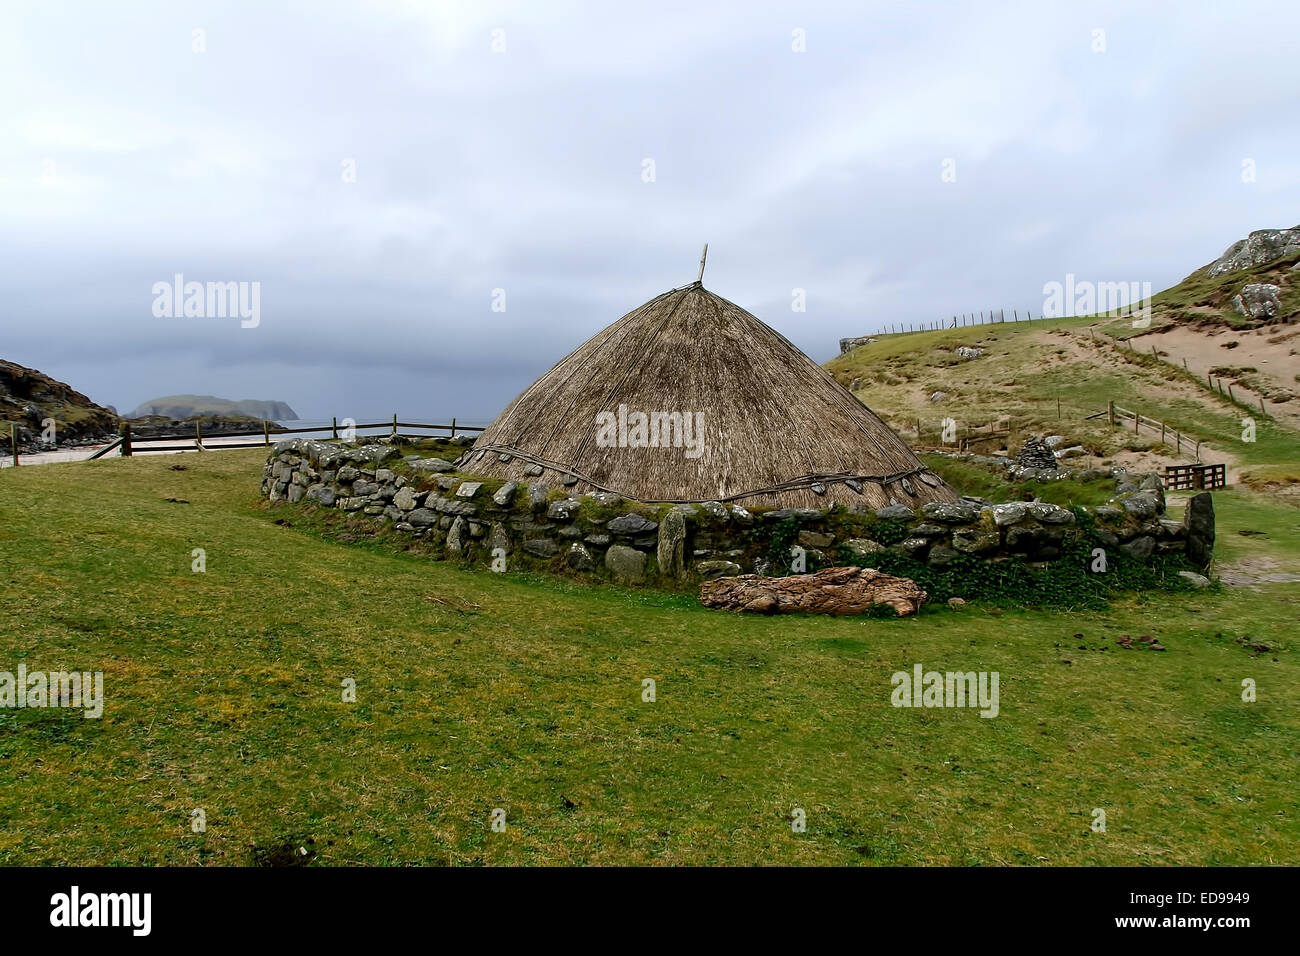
(777, 429)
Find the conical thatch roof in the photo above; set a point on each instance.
(777, 429)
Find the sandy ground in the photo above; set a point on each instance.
(1255, 571)
(81, 454)
(1086, 348)
(1271, 351)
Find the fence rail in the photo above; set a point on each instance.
(991, 317)
(131, 446)
(1169, 436)
(1215, 384)
(128, 444)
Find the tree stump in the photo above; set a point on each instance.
(835, 591)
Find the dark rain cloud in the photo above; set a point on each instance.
(522, 171)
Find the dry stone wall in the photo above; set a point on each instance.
(510, 525)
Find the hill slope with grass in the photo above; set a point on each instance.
(1216, 293)
(1237, 320)
(1201, 378)
(29, 397)
(1200, 366)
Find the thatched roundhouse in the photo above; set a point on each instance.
(690, 398)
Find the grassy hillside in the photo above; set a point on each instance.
(1198, 366)
(1205, 299)
(477, 691)
(29, 398)
(1056, 376)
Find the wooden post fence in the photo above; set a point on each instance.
(126, 440)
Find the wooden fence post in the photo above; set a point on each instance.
(1261, 405)
(126, 440)
(1137, 421)
(394, 424)
(1058, 408)
(1232, 398)
(266, 432)
(198, 436)
(453, 428)
(335, 428)
(1110, 411)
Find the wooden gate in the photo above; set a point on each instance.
(1196, 477)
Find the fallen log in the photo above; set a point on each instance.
(835, 591)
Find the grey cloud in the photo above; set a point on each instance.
(521, 171)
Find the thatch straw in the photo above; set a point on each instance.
(777, 428)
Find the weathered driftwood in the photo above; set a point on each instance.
(831, 591)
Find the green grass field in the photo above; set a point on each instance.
(478, 691)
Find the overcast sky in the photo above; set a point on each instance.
(126, 156)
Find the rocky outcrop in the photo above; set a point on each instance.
(836, 591)
(1261, 246)
(29, 399)
(212, 426)
(849, 344)
(193, 406)
(1258, 300)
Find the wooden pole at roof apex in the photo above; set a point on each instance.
(703, 256)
